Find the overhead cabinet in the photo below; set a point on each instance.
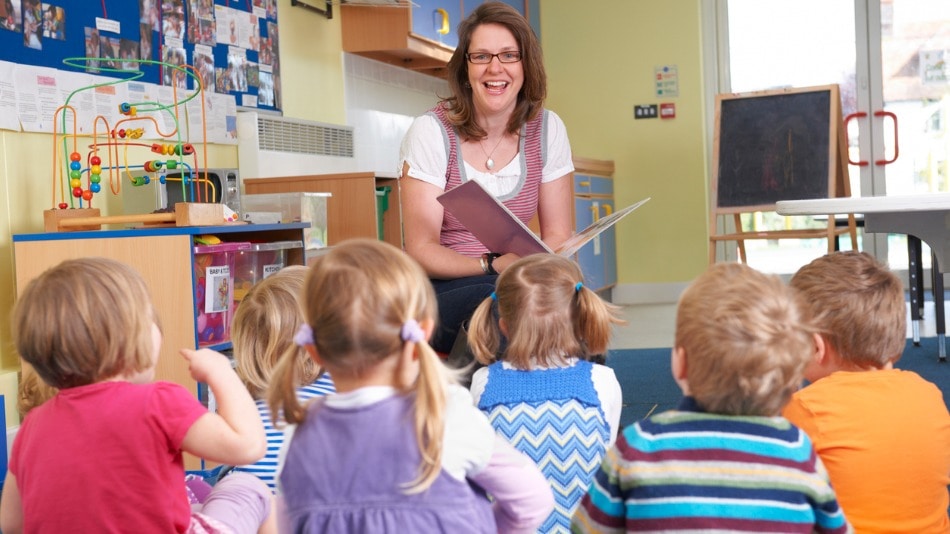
(420, 35)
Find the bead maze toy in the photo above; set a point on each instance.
(78, 170)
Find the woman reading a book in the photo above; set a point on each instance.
(492, 129)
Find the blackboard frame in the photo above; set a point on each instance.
(777, 144)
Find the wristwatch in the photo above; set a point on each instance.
(489, 258)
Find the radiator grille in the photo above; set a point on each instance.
(304, 137)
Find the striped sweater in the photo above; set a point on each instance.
(686, 470)
(266, 468)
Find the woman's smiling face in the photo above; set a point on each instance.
(495, 85)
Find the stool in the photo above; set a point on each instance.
(915, 273)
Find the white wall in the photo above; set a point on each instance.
(381, 101)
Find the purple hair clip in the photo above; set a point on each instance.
(304, 335)
(411, 331)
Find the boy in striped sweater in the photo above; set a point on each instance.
(724, 460)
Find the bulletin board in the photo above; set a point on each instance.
(233, 45)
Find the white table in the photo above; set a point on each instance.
(925, 216)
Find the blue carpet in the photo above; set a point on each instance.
(648, 386)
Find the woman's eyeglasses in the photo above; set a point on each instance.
(483, 58)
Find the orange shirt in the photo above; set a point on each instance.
(884, 437)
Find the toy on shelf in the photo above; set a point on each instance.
(79, 169)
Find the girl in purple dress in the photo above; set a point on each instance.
(400, 447)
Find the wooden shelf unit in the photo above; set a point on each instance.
(165, 258)
(351, 208)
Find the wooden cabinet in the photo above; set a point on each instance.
(420, 35)
(593, 199)
(352, 207)
(388, 34)
(165, 259)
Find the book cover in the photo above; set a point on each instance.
(501, 231)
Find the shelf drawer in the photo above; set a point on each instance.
(593, 185)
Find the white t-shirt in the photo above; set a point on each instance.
(424, 149)
(605, 384)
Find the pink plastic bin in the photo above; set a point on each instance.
(214, 269)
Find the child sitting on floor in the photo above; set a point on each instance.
(545, 396)
(262, 330)
(883, 433)
(105, 452)
(399, 447)
(724, 460)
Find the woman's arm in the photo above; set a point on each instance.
(422, 225)
(555, 206)
(235, 434)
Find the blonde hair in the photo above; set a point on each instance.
(859, 305)
(32, 392)
(357, 298)
(84, 321)
(747, 339)
(548, 312)
(263, 329)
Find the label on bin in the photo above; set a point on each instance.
(271, 269)
(217, 289)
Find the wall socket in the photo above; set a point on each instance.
(645, 111)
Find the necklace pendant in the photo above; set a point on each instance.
(490, 164)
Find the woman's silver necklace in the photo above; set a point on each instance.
(490, 163)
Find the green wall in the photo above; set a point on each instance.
(600, 58)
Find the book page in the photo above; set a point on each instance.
(578, 240)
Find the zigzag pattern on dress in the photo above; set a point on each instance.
(567, 440)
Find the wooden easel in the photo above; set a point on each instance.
(786, 144)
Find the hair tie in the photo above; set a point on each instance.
(493, 296)
(411, 331)
(578, 286)
(304, 335)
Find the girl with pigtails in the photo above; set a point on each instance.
(545, 395)
(399, 447)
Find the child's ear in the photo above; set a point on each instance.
(821, 349)
(314, 355)
(503, 326)
(428, 326)
(678, 367)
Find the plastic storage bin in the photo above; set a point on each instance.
(291, 207)
(382, 204)
(258, 262)
(214, 268)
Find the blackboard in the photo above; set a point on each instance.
(776, 145)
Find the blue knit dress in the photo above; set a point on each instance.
(555, 417)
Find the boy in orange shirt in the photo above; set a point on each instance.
(883, 433)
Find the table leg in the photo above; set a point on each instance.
(937, 281)
(915, 285)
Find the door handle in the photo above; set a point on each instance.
(855, 115)
(882, 113)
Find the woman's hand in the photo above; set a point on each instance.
(502, 262)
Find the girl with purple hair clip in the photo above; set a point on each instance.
(399, 447)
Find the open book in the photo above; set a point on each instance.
(502, 232)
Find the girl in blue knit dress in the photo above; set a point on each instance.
(399, 447)
(545, 395)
